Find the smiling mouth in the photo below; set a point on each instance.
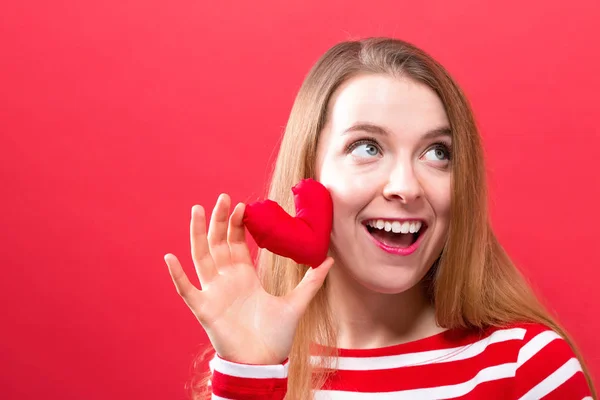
(396, 234)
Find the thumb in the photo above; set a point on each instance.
(308, 287)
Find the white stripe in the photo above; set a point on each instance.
(434, 393)
(215, 397)
(588, 398)
(535, 345)
(248, 371)
(425, 357)
(554, 380)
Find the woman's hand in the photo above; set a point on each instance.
(244, 323)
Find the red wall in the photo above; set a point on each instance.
(117, 116)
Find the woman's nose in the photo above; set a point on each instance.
(403, 184)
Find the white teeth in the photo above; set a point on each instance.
(405, 226)
(396, 226)
(388, 226)
(412, 227)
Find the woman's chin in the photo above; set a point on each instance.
(376, 277)
(392, 283)
(386, 289)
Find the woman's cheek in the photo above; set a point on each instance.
(349, 183)
(351, 193)
(439, 193)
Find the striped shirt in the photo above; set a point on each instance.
(525, 361)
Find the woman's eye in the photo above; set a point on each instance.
(437, 153)
(365, 150)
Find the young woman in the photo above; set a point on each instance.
(422, 302)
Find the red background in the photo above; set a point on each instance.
(117, 116)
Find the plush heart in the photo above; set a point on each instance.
(303, 238)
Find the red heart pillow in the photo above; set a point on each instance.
(303, 238)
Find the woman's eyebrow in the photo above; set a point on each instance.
(438, 132)
(378, 130)
(366, 127)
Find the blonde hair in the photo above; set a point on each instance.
(474, 284)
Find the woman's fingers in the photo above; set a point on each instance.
(236, 237)
(182, 283)
(217, 232)
(302, 295)
(203, 262)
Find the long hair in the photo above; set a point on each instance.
(474, 284)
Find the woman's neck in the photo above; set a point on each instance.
(365, 319)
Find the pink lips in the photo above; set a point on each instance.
(400, 251)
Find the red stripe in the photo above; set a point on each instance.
(574, 388)
(443, 340)
(423, 376)
(554, 355)
(494, 390)
(232, 387)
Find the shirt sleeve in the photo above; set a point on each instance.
(247, 382)
(547, 368)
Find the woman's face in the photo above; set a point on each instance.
(384, 155)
